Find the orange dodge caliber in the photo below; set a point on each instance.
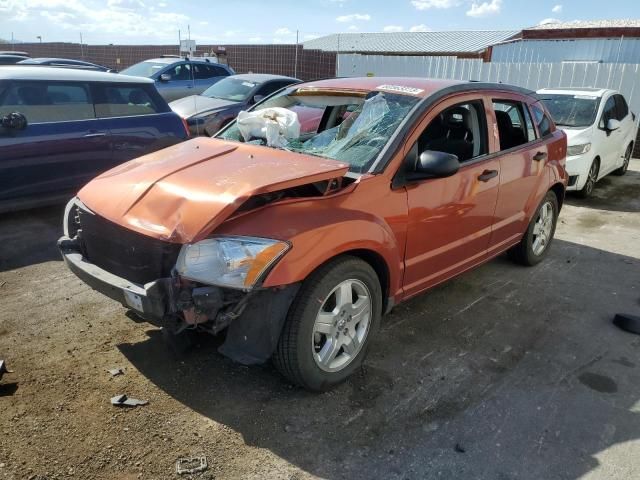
(296, 246)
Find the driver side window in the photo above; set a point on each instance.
(608, 113)
(460, 130)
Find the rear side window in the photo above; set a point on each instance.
(621, 107)
(514, 124)
(541, 120)
(202, 71)
(124, 101)
(43, 102)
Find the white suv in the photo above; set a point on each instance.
(600, 133)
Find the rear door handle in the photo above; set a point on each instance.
(487, 175)
(539, 156)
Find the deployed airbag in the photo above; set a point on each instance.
(275, 125)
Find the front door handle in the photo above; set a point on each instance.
(540, 156)
(487, 175)
(95, 135)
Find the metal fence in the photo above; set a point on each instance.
(282, 59)
(624, 77)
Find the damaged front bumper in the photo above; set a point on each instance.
(149, 300)
(253, 319)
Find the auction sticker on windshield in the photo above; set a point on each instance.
(400, 89)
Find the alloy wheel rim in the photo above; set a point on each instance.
(591, 179)
(543, 228)
(627, 158)
(341, 326)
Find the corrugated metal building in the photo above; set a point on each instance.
(605, 41)
(460, 44)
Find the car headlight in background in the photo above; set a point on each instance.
(236, 262)
(573, 150)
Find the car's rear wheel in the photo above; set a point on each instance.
(536, 241)
(627, 158)
(329, 326)
(592, 178)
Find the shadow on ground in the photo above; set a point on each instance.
(504, 373)
(612, 193)
(29, 237)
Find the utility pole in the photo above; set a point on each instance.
(81, 47)
(295, 65)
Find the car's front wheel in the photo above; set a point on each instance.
(590, 183)
(625, 165)
(536, 241)
(329, 326)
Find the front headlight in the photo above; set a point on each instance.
(573, 150)
(237, 262)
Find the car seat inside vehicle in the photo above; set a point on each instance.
(509, 135)
(456, 131)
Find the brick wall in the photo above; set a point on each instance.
(276, 59)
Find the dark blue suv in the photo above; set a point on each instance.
(59, 128)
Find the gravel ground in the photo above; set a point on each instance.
(503, 373)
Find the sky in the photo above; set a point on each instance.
(276, 21)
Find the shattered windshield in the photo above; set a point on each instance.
(348, 127)
(572, 110)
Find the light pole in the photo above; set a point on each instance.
(39, 37)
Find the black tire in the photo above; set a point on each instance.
(294, 355)
(592, 178)
(625, 166)
(524, 253)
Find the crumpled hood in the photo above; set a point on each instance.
(180, 194)
(194, 104)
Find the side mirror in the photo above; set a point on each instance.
(613, 124)
(14, 121)
(433, 164)
(165, 77)
(257, 98)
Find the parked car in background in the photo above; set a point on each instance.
(8, 58)
(220, 103)
(61, 127)
(64, 63)
(15, 52)
(601, 132)
(297, 251)
(177, 77)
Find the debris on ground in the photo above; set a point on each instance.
(116, 371)
(3, 368)
(191, 465)
(459, 448)
(628, 323)
(124, 401)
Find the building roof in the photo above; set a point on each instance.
(411, 42)
(25, 72)
(623, 23)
